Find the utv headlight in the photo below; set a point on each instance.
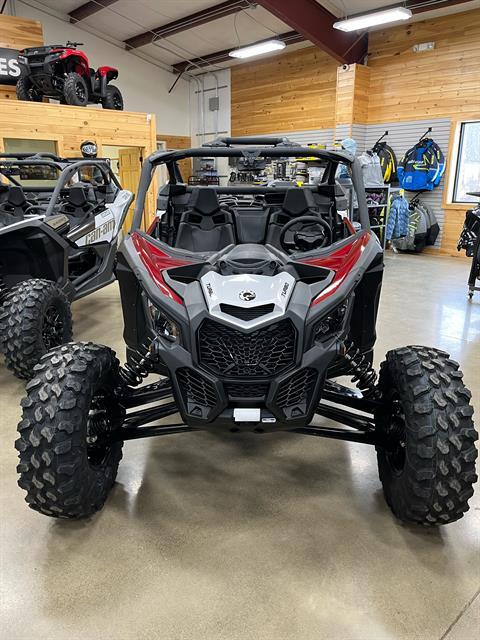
(331, 323)
(163, 325)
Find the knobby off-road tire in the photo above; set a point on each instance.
(26, 91)
(71, 401)
(35, 317)
(113, 99)
(427, 459)
(75, 90)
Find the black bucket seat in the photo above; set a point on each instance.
(205, 225)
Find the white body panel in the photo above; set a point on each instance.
(108, 221)
(247, 291)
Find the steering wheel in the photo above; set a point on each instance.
(306, 240)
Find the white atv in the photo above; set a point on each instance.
(59, 222)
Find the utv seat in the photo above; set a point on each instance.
(205, 225)
(77, 207)
(15, 204)
(298, 202)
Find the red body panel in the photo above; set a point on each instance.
(83, 65)
(103, 71)
(156, 261)
(341, 261)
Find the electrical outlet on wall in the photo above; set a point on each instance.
(423, 46)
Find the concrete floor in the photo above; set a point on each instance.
(258, 537)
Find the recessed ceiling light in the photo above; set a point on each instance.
(372, 19)
(257, 49)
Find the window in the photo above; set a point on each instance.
(467, 171)
(33, 176)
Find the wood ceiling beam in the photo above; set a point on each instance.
(188, 22)
(88, 9)
(315, 23)
(291, 37)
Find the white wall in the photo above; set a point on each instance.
(205, 124)
(144, 85)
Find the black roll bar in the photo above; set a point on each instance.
(262, 141)
(22, 156)
(169, 158)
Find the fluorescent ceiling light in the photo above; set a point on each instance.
(257, 49)
(372, 19)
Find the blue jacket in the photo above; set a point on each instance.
(422, 167)
(398, 218)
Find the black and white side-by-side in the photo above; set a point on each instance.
(250, 302)
(59, 223)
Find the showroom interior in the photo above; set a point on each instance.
(238, 224)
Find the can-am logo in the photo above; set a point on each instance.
(247, 296)
(9, 67)
(98, 233)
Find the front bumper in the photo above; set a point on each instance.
(284, 401)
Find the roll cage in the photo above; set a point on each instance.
(250, 149)
(67, 168)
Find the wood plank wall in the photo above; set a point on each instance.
(352, 95)
(179, 142)
(70, 126)
(297, 90)
(287, 92)
(18, 33)
(444, 82)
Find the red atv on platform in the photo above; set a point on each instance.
(63, 72)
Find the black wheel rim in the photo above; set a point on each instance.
(103, 419)
(80, 91)
(117, 102)
(396, 435)
(53, 328)
(33, 94)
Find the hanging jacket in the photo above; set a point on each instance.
(398, 218)
(422, 167)
(349, 144)
(423, 228)
(371, 169)
(433, 228)
(388, 161)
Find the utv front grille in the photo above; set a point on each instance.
(229, 352)
(246, 389)
(295, 393)
(198, 393)
(244, 313)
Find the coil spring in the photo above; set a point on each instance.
(3, 289)
(134, 372)
(363, 374)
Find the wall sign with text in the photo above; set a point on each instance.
(9, 66)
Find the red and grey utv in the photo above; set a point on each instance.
(252, 302)
(63, 72)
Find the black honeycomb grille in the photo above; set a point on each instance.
(229, 352)
(246, 389)
(295, 393)
(195, 389)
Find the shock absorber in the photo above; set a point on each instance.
(363, 374)
(134, 372)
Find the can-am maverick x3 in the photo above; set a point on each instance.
(59, 222)
(250, 302)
